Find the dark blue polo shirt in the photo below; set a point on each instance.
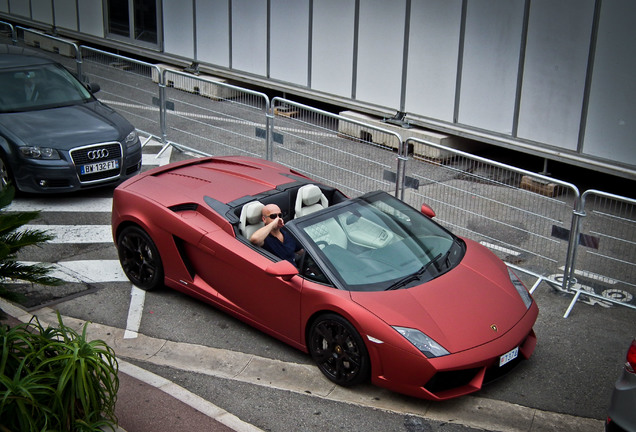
(285, 250)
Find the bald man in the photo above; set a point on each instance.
(274, 237)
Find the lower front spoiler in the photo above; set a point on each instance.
(454, 375)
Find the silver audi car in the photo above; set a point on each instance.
(54, 135)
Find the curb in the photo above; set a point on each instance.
(471, 411)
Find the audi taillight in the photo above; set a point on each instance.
(630, 365)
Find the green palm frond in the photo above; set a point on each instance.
(12, 240)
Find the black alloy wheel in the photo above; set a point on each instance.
(338, 350)
(139, 258)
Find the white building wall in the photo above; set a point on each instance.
(213, 32)
(289, 41)
(611, 116)
(431, 81)
(551, 77)
(380, 52)
(65, 13)
(91, 18)
(490, 64)
(332, 47)
(249, 36)
(555, 71)
(41, 10)
(178, 28)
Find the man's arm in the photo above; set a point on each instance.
(259, 236)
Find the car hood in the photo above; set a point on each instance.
(457, 309)
(64, 127)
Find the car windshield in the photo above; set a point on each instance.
(377, 242)
(38, 87)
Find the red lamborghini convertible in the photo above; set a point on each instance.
(379, 290)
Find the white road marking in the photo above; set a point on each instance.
(87, 271)
(95, 271)
(135, 312)
(64, 205)
(159, 160)
(76, 233)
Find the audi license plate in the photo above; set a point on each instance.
(99, 167)
(508, 357)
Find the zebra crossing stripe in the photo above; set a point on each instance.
(86, 271)
(63, 205)
(65, 234)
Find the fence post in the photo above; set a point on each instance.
(573, 242)
(78, 61)
(269, 129)
(162, 106)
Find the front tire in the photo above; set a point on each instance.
(338, 350)
(5, 173)
(139, 258)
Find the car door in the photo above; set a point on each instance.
(251, 285)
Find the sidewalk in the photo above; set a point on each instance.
(149, 403)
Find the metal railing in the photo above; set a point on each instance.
(524, 217)
(334, 149)
(215, 117)
(583, 245)
(603, 264)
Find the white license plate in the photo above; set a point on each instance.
(508, 357)
(99, 167)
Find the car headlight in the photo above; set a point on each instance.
(425, 344)
(521, 288)
(131, 139)
(34, 152)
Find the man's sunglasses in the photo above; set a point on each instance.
(275, 215)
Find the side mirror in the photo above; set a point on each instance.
(93, 87)
(428, 211)
(282, 269)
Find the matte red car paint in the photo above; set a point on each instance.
(473, 310)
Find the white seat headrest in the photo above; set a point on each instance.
(310, 194)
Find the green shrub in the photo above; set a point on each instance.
(54, 379)
(12, 241)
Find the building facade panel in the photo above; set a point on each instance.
(611, 117)
(213, 32)
(289, 41)
(249, 36)
(490, 65)
(555, 71)
(431, 81)
(91, 18)
(553, 79)
(380, 52)
(178, 28)
(332, 47)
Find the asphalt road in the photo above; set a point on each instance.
(572, 372)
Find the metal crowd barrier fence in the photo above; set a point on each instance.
(68, 50)
(604, 250)
(214, 117)
(585, 245)
(127, 85)
(7, 33)
(333, 149)
(524, 217)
